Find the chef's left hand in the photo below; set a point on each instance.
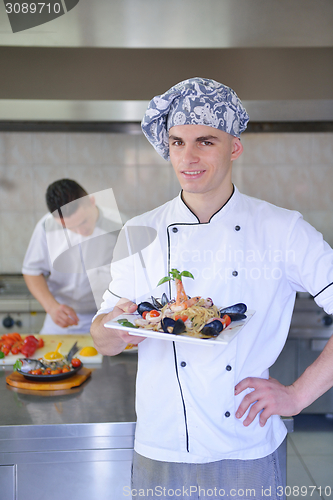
(268, 397)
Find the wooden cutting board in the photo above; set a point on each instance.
(18, 380)
(50, 344)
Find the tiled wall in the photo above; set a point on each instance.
(293, 170)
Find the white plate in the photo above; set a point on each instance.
(224, 338)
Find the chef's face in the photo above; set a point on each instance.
(202, 157)
(83, 220)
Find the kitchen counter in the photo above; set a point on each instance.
(78, 440)
(107, 396)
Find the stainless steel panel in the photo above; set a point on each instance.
(217, 23)
(7, 482)
(95, 479)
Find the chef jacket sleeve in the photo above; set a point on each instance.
(309, 262)
(36, 260)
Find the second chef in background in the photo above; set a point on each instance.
(67, 263)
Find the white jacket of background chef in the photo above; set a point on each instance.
(250, 251)
(77, 268)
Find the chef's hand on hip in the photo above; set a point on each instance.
(268, 397)
(63, 315)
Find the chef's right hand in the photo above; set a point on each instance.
(109, 341)
(63, 315)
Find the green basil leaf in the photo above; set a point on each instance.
(164, 280)
(187, 274)
(17, 365)
(2, 354)
(125, 322)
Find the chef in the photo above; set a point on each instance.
(67, 263)
(207, 415)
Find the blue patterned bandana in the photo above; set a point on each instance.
(197, 101)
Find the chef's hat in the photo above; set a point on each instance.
(196, 101)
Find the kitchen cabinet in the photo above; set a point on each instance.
(77, 443)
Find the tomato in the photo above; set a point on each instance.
(154, 313)
(226, 320)
(5, 349)
(76, 362)
(16, 348)
(183, 317)
(65, 369)
(144, 314)
(40, 343)
(55, 372)
(36, 372)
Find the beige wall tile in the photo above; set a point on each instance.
(84, 149)
(2, 148)
(49, 148)
(124, 182)
(322, 151)
(147, 154)
(259, 149)
(15, 232)
(18, 148)
(294, 148)
(43, 176)
(119, 149)
(16, 188)
(153, 186)
(322, 180)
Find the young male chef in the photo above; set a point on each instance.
(67, 263)
(208, 416)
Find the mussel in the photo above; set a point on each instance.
(239, 308)
(176, 327)
(212, 329)
(145, 306)
(236, 316)
(155, 305)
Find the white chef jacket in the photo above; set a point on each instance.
(77, 268)
(250, 251)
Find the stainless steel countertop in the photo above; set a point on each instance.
(107, 396)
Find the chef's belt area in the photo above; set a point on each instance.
(309, 332)
(19, 310)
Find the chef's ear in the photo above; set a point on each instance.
(92, 200)
(237, 148)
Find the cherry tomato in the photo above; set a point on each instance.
(226, 320)
(55, 372)
(76, 362)
(5, 349)
(16, 348)
(183, 317)
(154, 313)
(38, 371)
(65, 369)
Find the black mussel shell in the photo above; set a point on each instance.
(145, 306)
(239, 308)
(167, 323)
(156, 303)
(179, 327)
(212, 329)
(164, 300)
(237, 316)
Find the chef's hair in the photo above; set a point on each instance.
(63, 197)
